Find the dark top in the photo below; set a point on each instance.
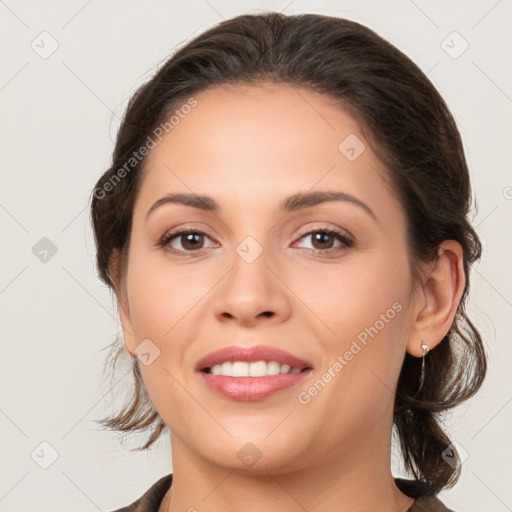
(426, 501)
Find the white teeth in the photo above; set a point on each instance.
(255, 369)
(225, 369)
(240, 369)
(273, 368)
(258, 369)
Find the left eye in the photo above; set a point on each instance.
(323, 239)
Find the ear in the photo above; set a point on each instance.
(437, 298)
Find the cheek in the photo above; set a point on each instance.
(365, 306)
(162, 299)
(164, 309)
(357, 294)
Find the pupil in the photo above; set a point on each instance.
(321, 238)
(191, 238)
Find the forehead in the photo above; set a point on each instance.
(251, 143)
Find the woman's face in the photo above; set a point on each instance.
(260, 271)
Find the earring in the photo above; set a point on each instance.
(425, 349)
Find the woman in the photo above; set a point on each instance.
(284, 224)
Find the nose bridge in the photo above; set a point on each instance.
(250, 275)
(250, 249)
(251, 288)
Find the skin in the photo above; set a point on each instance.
(250, 148)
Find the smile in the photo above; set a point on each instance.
(250, 374)
(256, 369)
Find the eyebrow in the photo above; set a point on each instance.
(290, 204)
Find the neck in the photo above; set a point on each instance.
(359, 481)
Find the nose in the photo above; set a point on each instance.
(253, 292)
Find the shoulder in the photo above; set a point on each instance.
(150, 501)
(426, 500)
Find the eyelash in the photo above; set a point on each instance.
(346, 241)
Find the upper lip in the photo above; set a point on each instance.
(250, 355)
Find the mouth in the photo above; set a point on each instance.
(256, 369)
(249, 374)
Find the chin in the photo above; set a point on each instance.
(250, 454)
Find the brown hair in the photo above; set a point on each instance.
(408, 126)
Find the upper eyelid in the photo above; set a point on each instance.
(337, 232)
(308, 231)
(342, 231)
(179, 231)
(344, 238)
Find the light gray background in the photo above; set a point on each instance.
(59, 117)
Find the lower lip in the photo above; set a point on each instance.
(249, 389)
